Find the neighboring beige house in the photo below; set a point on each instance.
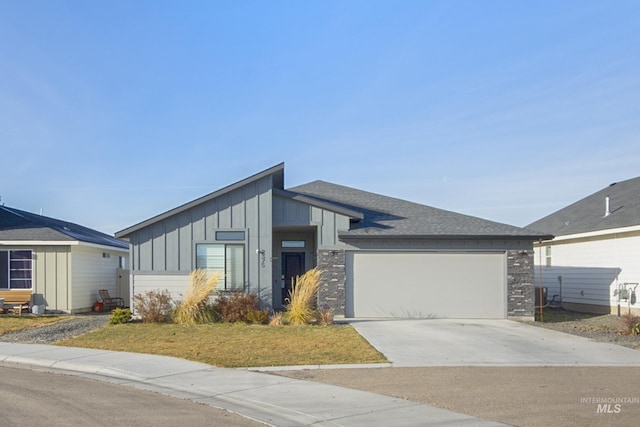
(63, 264)
(593, 263)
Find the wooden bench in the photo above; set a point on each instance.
(16, 299)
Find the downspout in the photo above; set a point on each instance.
(540, 277)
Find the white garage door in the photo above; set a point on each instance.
(424, 285)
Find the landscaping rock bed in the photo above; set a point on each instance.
(605, 328)
(68, 328)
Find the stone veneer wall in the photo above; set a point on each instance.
(520, 284)
(332, 281)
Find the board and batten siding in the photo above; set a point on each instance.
(51, 276)
(588, 270)
(166, 248)
(93, 269)
(292, 213)
(168, 245)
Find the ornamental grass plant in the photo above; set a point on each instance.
(195, 308)
(300, 310)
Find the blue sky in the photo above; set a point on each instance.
(114, 111)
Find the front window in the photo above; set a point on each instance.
(227, 259)
(16, 269)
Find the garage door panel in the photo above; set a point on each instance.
(418, 284)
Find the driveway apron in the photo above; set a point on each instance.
(448, 342)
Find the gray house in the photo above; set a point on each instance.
(380, 256)
(63, 264)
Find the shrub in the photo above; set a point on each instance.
(235, 307)
(153, 306)
(120, 316)
(194, 309)
(325, 316)
(258, 317)
(631, 324)
(300, 309)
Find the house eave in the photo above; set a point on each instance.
(319, 204)
(597, 233)
(350, 236)
(61, 243)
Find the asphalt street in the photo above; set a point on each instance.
(33, 398)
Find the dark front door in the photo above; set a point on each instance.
(292, 266)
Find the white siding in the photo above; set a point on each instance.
(589, 270)
(90, 273)
(175, 284)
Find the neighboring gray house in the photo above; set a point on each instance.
(593, 263)
(63, 264)
(380, 256)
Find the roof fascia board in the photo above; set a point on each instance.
(598, 233)
(60, 243)
(319, 204)
(273, 170)
(348, 236)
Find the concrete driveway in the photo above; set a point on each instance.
(446, 342)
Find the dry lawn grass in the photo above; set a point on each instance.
(11, 323)
(236, 345)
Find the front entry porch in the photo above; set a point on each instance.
(294, 253)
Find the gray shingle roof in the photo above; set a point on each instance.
(17, 225)
(390, 217)
(588, 214)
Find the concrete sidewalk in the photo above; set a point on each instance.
(274, 400)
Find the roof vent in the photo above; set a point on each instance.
(607, 206)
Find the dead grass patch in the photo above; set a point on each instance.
(236, 345)
(11, 323)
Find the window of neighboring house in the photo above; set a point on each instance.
(547, 252)
(16, 269)
(228, 259)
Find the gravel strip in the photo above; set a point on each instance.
(48, 334)
(605, 328)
